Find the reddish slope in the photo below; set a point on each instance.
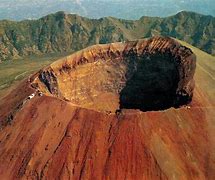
(51, 138)
(56, 139)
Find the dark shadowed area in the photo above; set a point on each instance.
(153, 84)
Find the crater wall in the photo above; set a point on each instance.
(150, 74)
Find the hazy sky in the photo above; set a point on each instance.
(129, 9)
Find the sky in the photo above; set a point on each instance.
(126, 9)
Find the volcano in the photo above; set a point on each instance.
(129, 110)
(147, 75)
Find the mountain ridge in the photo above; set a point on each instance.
(62, 32)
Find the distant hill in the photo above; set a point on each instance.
(61, 32)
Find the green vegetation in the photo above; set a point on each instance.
(62, 32)
(12, 72)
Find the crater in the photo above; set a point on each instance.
(149, 74)
(153, 83)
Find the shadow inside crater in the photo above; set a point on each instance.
(152, 81)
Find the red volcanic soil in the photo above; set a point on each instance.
(87, 125)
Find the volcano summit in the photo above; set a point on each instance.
(117, 111)
(149, 74)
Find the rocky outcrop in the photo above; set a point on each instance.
(148, 74)
(50, 81)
